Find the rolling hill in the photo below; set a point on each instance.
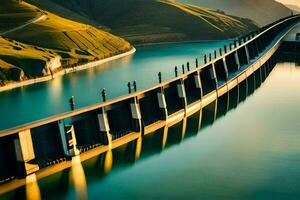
(261, 11)
(49, 44)
(147, 21)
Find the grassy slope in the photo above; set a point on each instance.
(15, 58)
(293, 8)
(75, 42)
(13, 14)
(261, 11)
(145, 21)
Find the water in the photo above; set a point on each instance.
(252, 152)
(30, 103)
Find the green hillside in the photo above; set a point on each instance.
(261, 11)
(53, 42)
(146, 21)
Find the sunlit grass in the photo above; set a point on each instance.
(53, 36)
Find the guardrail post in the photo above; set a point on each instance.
(134, 85)
(197, 62)
(103, 93)
(176, 71)
(129, 87)
(72, 102)
(188, 66)
(205, 59)
(183, 72)
(159, 77)
(25, 153)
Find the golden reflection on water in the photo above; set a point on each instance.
(32, 188)
(78, 178)
(108, 162)
(165, 137)
(138, 149)
(56, 87)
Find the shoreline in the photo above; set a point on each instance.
(179, 42)
(62, 72)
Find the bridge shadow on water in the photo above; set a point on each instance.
(96, 169)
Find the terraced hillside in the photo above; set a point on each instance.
(52, 36)
(261, 11)
(20, 61)
(146, 21)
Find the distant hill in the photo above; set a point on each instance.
(261, 11)
(53, 42)
(147, 21)
(294, 8)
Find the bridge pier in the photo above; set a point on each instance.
(193, 88)
(123, 118)
(48, 144)
(25, 153)
(87, 130)
(209, 79)
(153, 107)
(242, 55)
(221, 71)
(175, 96)
(231, 63)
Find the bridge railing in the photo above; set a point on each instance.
(27, 148)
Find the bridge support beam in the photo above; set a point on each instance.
(182, 94)
(25, 153)
(104, 126)
(237, 60)
(136, 115)
(162, 104)
(68, 139)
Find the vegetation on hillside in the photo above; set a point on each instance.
(146, 21)
(40, 44)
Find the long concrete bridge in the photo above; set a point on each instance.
(47, 146)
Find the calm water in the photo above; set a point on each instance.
(41, 100)
(250, 153)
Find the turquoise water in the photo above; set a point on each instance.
(30, 103)
(252, 152)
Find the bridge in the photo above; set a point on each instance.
(50, 145)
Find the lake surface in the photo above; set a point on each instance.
(31, 103)
(251, 152)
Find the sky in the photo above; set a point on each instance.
(294, 2)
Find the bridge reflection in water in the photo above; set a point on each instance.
(73, 180)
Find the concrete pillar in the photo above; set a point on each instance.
(104, 126)
(68, 139)
(237, 59)
(182, 93)
(213, 75)
(198, 83)
(25, 153)
(225, 67)
(162, 103)
(136, 115)
(247, 54)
